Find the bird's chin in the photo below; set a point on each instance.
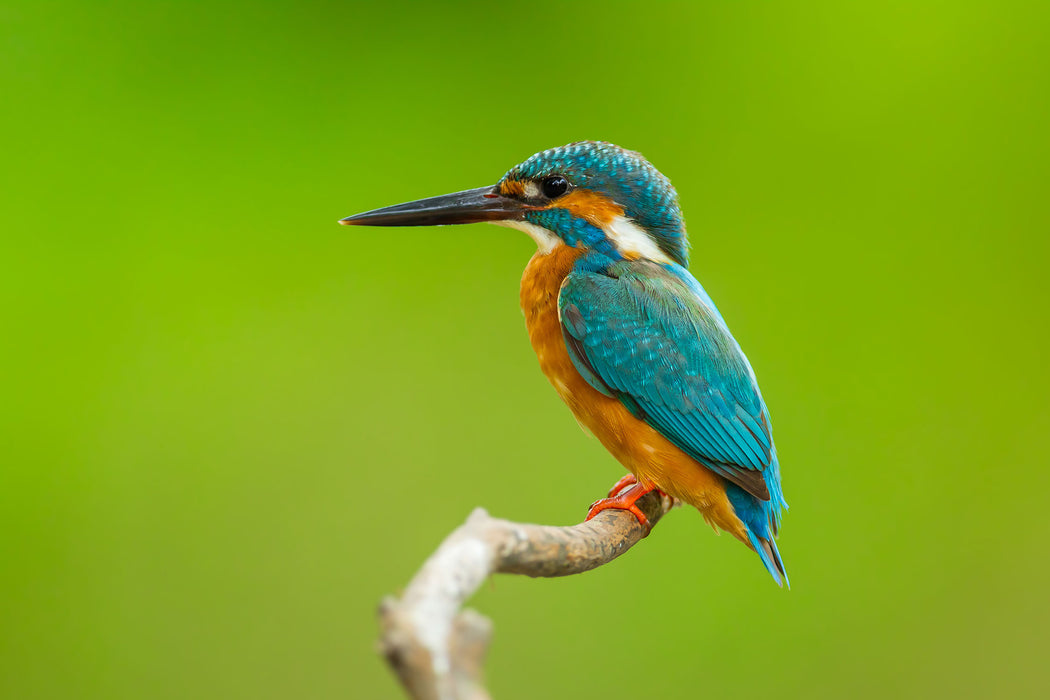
(546, 240)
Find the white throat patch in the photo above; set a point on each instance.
(545, 240)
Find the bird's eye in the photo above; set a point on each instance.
(554, 187)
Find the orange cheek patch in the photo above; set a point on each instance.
(597, 209)
(512, 188)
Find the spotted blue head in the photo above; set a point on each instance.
(590, 194)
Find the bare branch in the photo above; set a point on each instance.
(437, 651)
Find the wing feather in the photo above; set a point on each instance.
(641, 332)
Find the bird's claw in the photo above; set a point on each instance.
(625, 481)
(628, 500)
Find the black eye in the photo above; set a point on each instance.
(554, 186)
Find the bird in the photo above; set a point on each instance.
(628, 337)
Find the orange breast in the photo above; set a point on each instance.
(645, 452)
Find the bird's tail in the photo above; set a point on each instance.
(770, 555)
(762, 521)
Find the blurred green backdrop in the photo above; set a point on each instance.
(230, 425)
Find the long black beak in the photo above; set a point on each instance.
(467, 207)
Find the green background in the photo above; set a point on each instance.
(230, 426)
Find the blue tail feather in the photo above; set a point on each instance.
(762, 520)
(770, 555)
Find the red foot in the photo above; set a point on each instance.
(627, 480)
(628, 500)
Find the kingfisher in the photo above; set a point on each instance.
(629, 339)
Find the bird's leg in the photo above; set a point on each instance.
(628, 500)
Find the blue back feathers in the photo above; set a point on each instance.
(647, 334)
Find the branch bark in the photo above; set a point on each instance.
(437, 650)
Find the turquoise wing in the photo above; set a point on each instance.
(648, 335)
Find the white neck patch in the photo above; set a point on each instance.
(545, 240)
(629, 238)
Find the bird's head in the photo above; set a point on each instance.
(590, 194)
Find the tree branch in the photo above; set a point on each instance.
(437, 651)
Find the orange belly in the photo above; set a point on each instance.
(647, 454)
